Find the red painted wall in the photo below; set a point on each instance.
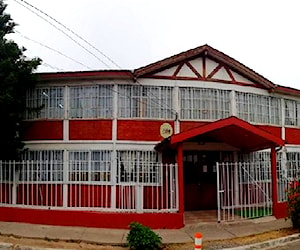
(40, 194)
(90, 219)
(140, 130)
(273, 130)
(186, 125)
(89, 196)
(292, 136)
(90, 130)
(43, 130)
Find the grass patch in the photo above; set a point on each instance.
(254, 212)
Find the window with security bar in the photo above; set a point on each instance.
(91, 101)
(255, 166)
(144, 102)
(292, 112)
(204, 104)
(138, 167)
(90, 166)
(258, 108)
(45, 103)
(42, 166)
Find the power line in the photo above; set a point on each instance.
(70, 30)
(64, 33)
(51, 66)
(81, 38)
(57, 51)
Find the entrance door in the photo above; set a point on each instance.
(200, 179)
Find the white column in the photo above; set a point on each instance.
(66, 114)
(176, 109)
(233, 103)
(65, 178)
(114, 152)
(282, 119)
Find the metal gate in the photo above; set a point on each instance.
(244, 190)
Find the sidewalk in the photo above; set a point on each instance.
(210, 231)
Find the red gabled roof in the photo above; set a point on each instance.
(209, 52)
(232, 131)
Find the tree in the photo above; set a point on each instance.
(16, 77)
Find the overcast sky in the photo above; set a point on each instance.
(262, 34)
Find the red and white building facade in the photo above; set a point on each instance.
(195, 131)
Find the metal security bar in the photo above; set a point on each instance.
(244, 190)
(288, 170)
(88, 185)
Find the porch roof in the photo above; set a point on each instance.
(232, 130)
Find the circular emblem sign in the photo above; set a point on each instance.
(166, 130)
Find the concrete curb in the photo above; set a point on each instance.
(269, 244)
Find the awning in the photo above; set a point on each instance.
(232, 131)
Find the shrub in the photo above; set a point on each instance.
(293, 203)
(142, 238)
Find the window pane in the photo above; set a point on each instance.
(45, 103)
(145, 102)
(204, 104)
(91, 101)
(258, 108)
(44, 165)
(138, 167)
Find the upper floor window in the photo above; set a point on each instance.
(45, 103)
(198, 103)
(91, 101)
(292, 112)
(145, 102)
(258, 108)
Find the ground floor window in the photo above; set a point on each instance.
(43, 166)
(90, 166)
(138, 166)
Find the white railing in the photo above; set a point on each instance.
(244, 190)
(51, 185)
(287, 171)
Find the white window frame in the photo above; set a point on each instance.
(204, 103)
(93, 101)
(258, 108)
(84, 167)
(141, 167)
(145, 102)
(45, 103)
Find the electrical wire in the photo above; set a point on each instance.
(81, 38)
(70, 30)
(63, 32)
(54, 50)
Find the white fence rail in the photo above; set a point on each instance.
(50, 184)
(244, 190)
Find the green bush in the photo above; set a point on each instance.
(142, 238)
(293, 203)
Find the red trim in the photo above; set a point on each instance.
(193, 69)
(90, 219)
(177, 70)
(234, 123)
(215, 70)
(229, 73)
(180, 177)
(204, 66)
(221, 124)
(274, 180)
(86, 74)
(203, 79)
